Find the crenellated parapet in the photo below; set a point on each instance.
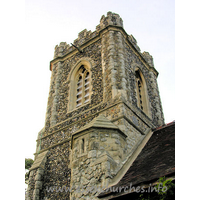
(60, 49)
(133, 42)
(148, 58)
(111, 19)
(84, 36)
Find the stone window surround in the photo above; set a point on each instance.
(145, 99)
(82, 136)
(72, 78)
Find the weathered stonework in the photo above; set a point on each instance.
(153, 93)
(88, 145)
(105, 147)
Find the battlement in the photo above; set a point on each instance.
(134, 42)
(84, 36)
(148, 58)
(111, 19)
(64, 48)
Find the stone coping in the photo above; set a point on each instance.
(39, 161)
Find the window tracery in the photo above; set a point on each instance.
(142, 97)
(83, 86)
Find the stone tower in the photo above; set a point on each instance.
(103, 103)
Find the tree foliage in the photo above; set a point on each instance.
(164, 190)
(28, 163)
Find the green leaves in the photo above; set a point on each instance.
(164, 190)
(28, 163)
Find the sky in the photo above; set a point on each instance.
(49, 22)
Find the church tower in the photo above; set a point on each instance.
(103, 105)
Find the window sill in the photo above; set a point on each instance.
(74, 109)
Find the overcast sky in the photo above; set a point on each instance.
(49, 22)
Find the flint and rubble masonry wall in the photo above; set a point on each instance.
(57, 109)
(133, 61)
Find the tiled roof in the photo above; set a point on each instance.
(156, 159)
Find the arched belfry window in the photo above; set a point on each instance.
(142, 97)
(80, 88)
(83, 86)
